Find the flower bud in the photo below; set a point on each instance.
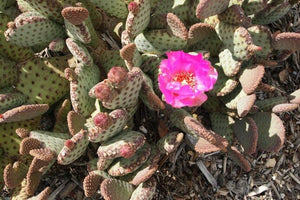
(102, 92)
(102, 120)
(117, 76)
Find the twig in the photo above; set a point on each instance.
(275, 190)
(177, 155)
(57, 190)
(207, 174)
(294, 178)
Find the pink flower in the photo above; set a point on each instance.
(184, 78)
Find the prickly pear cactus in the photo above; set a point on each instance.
(92, 69)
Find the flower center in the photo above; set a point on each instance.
(185, 78)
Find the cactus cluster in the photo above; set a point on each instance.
(94, 63)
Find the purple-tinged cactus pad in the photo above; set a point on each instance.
(251, 77)
(182, 119)
(119, 118)
(176, 26)
(123, 166)
(145, 191)
(208, 8)
(287, 41)
(112, 189)
(271, 131)
(61, 124)
(24, 112)
(43, 154)
(284, 107)
(294, 97)
(236, 156)
(233, 15)
(124, 145)
(27, 144)
(91, 184)
(14, 174)
(247, 133)
(73, 148)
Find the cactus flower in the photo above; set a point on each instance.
(183, 79)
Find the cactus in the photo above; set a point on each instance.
(92, 66)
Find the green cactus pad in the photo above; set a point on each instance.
(128, 95)
(123, 166)
(148, 96)
(271, 133)
(232, 98)
(245, 104)
(103, 163)
(229, 64)
(50, 9)
(224, 84)
(41, 30)
(138, 20)
(87, 77)
(11, 100)
(112, 189)
(131, 56)
(8, 72)
(268, 104)
(108, 59)
(51, 140)
(251, 77)
(145, 190)
(80, 52)
(125, 144)
(158, 41)
(9, 50)
(261, 36)
(247, 134)
(208, 8)
(115, 8)
(287, 40)
(237, 40)
(182, 119)
(73, 149)
(271, 13)
(222, 125)
(233, 15)
(236, 156)
(118, 119)
(42, 80)
(61, 124)
(170, 142)
(20, 191)
(144, 172)
(24, 112)
(253, 6)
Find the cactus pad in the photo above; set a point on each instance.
(208, 8)
(145, 190)
(112, 189)
(123, 166)
(73, 148)
(123, 145)
(271, 133)
(251, 77)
